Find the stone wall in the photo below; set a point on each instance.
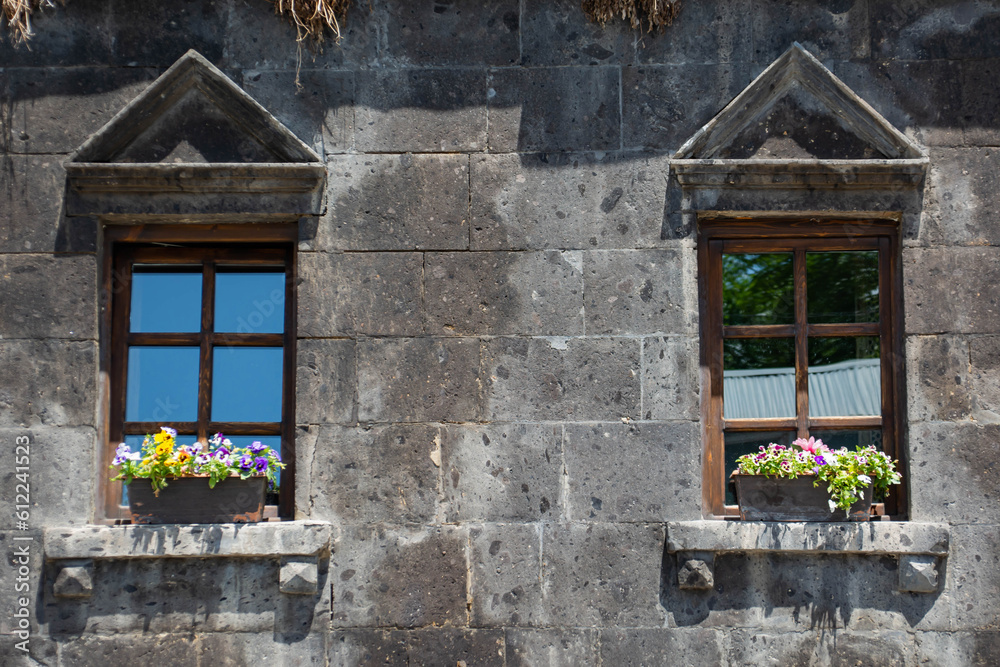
(498, 382)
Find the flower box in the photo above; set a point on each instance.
(763, 498)
(191, 500)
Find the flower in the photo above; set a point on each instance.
(257, 447)
(260, 464)
(812, 445)
(865, 479)
(169, 431)
(246, 462)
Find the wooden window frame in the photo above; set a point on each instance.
(246, 244)
(786, 234)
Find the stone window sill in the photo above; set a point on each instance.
(920, 547)
(298, 544)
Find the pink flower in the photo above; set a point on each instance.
(812, 445)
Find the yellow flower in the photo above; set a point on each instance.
(171, 462)
(182, 456)
(160, 437)
(164, 448)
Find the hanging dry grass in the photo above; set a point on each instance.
(312, 18)
(654, 13)
(18, 16)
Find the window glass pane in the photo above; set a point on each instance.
(850, 439)
(248, 302)
(845, 377)
(246, 384)
(758, 380)
(757, 289)
(166, 301)
(842, 286)
(162, 384)
(738, 444)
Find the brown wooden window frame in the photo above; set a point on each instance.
(249, 245)
(783, 234)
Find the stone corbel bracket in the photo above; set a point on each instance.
(920, 547)
(297, 544)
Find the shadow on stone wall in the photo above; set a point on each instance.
(798, 592)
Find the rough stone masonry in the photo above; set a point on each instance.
(498, 438)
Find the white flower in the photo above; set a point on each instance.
(865, 478)
(833, 505)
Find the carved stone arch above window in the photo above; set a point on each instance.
(201, 198)
(797, 169)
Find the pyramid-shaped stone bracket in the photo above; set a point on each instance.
(100, 183)
(697, 162)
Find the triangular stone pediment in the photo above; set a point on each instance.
(194, 144)
(193, 113)
(798, 125)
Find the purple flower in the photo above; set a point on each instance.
(221, 452)
(819, 460)
(256, 447)
(172, 432)
(246, 462)
(121, 454)
(202, 459)
(260, 464)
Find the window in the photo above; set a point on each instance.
(202, 339)
(799, 338)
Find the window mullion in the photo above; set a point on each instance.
(205, 364)
(801, 344)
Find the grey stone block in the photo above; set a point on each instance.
(376, 294)
(400, 578)
(872, 648)
(319, 110)
(374, 475)
(918, 574)
(984, 356)
(419, 379)
(461, 32)
(961, 201)
(938, 384)
(178, 650)
(325, 382)
(47, 382)
(396, 202)
(43, 99)
(359, 646)
(633, 472)
(951, 290)
(756, 647)
(660, 646)
(907, 31)
(22, 580)
(554, 109)
(558, 33)
(695, 574)
(445, 646)
(945, 648)
(31, 191)
(640, 291)
(670, 381)
(75, 579)
(36, 651)
(504, 293)
(603, 574)
(506, 583)
(299, 575)
(663, 105)
(265, 648)
(829, 32)
(61, 487)
(972, 577)
(63, 37)
(501, 472)
(420, 110)
(567, 201)
(257, 39)
(156, 36)
(48, 296)
(952, 475)
(560, 647)
(560, 378)
(714, 31)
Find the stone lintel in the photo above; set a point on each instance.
(260, 540)
(795, 174)
(875, 537)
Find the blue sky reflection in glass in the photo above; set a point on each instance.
(162, 384)
(166, 301)
(246, 384)
(248, 302)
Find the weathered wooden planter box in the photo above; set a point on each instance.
(763, 498)
(190, 500)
